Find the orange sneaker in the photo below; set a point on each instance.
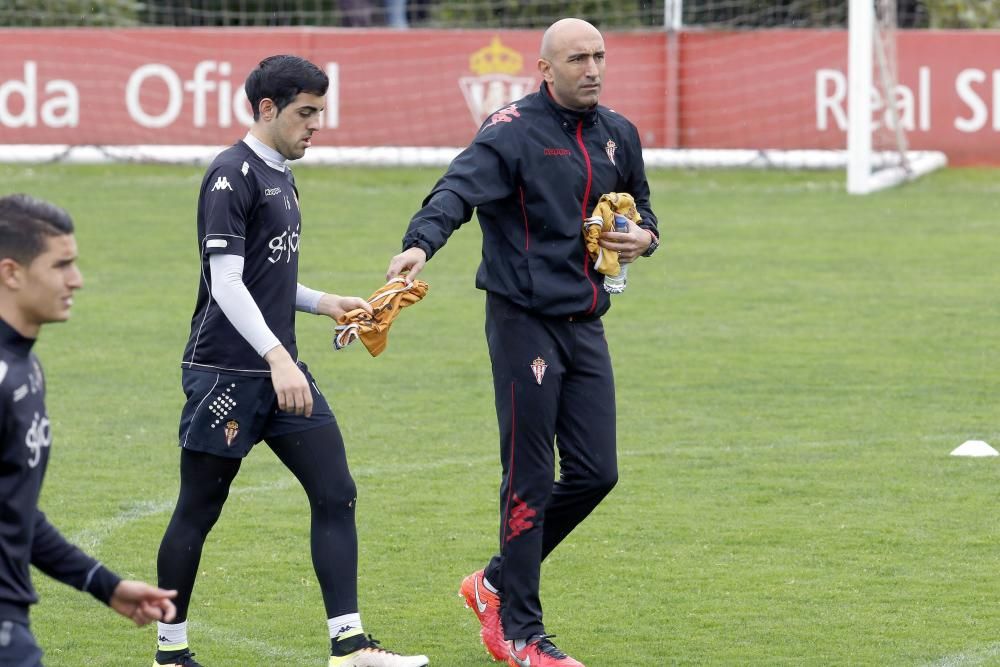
(485, 604)
(539, 653)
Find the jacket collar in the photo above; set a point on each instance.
(569, 118)
(11, 340)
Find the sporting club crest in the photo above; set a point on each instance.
(495, 82)
(232, 428)
(609, 148)
(538, 367)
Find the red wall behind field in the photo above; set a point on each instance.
(763, 89)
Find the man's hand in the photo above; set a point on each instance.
(630, 244)
(143, 603)
(333, 305)
(410, 261)
(289, 382)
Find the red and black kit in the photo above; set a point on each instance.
(533, 173)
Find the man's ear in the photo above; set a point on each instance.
(268, 110)
(11, 273)
(543, 67)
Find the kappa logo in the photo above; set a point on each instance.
(270, 192)
(222, 183)
(520, 518)
(505, 115)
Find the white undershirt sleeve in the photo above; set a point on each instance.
(234, 299)
(307, 299)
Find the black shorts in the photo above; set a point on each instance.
(226, 415)
(17, 646)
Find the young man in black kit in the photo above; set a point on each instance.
(38, 276)
(241, 372)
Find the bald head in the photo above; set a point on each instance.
(564, 30)
(572, 63)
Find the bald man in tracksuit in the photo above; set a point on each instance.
(534, 172)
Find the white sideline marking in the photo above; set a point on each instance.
(969, 658)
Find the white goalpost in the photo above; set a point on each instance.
(871, 49)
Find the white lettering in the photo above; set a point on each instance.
(963, 86)
(333, 96)
(284, 245)
(174, 96)
(61, 111)
(925, 98)
(199, 86)
(906, 107)
(209, 81)
(27, 89)
(225, 96)
(38, 435)
(830, 102)
(996, 100)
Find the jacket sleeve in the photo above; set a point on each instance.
(479, 174)
(55, 556)
(638, 186)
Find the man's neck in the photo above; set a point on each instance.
(10, 314)
(264, 150)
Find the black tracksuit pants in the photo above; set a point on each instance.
(554, 390)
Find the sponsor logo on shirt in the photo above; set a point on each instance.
(284, 246)
(222, 183)
(270, 192)
(39, 435)
(558, 152)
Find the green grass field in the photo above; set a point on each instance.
(793, 369)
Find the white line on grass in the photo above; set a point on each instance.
(972, 658)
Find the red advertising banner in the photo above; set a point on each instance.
(748, 89)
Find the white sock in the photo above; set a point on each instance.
(490, 587)
(171, 636)
(347, 625)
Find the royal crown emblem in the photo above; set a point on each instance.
(495, 83)
(609, 148)
(232, 428)
(538, 367)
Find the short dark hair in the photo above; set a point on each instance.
(281, 79)
(26, 223)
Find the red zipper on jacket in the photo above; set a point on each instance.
(586, 198)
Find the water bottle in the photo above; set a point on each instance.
(616, 284)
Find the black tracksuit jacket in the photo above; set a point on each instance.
(26, 536)
(533, 173)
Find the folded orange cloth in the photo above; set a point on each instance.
(373, 330)
(603, 220)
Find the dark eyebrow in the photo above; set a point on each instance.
(64, 262)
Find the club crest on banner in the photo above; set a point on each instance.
(495, 83)
(538, 367)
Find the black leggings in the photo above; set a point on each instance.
(317, 459)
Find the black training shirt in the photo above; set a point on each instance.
(250, 209)
(26, 536)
